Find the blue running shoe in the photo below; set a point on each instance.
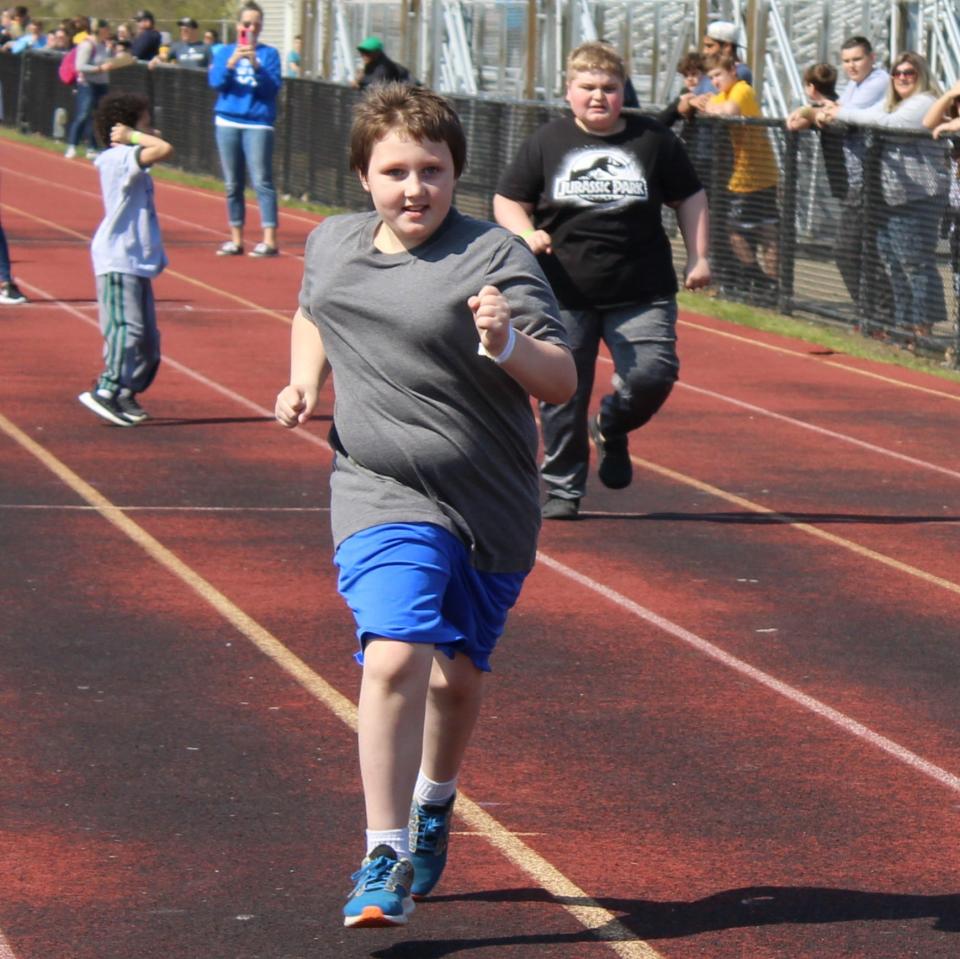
(429, 836)
(381, 896)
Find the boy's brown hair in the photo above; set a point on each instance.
(726, 63)
(823, 78)
(692, 62)
(415, 112)
(595, 56)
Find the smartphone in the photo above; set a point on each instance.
(246, 37)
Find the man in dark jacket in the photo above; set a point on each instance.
(146, 44)
(377, 66)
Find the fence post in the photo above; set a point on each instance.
(868, 196)
(788, 221)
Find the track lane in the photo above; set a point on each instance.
(548, 600)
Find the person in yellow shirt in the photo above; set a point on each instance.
(753, 214)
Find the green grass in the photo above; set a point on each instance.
(831, 337)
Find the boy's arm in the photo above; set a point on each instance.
(545, 370)
(693, 217)
(515, 216)
(153, 149)
(309, 369)
(938, 111)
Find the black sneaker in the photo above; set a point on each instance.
(557, 507)
(10, 293)
(130, 408)
(105, 406)
(613, 457)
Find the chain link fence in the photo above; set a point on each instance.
(855, 226)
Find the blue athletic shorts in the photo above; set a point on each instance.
(413, 582)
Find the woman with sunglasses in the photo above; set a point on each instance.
(913, 180)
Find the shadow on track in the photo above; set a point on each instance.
(731, 909)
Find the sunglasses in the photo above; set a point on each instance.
(908, 74)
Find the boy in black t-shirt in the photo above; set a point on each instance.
(585, 192)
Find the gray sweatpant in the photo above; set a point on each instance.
(131, 340)
(642, 340)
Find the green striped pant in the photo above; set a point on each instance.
(131, 340)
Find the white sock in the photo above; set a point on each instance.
(397, 839)
(429, 793)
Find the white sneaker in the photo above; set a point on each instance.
(92, 154)
(71, 153)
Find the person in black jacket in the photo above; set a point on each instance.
(146, 44)
(377, 66)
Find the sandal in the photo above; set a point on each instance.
(230, 249)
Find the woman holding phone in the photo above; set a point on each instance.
(247, 76)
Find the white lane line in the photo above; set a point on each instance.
(846, 723)
(822, 431)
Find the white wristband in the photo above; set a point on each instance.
(505, 353)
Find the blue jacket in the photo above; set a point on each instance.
(246, 96)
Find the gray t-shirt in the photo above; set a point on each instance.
(128, 239)
(434, 432)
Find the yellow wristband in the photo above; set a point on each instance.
(135, 137)
(527, 233)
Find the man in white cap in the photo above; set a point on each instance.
(722, 40)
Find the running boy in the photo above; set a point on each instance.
(436, 327)
(127, 253)
(586, 192)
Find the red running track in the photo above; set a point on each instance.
(724, 721)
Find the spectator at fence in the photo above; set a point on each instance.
(722, 39)
(855, 245)
(943, 119)
(58, 41)
(247, 76)
(752, 214)
(295, 59)
(146, 43)
(95, 60)
(212, 39)
(81, 29)
(820, 86)
(190, 51)
(33, 38)
(914, 188)
(9, 291)
(683, 109)
(123, 33)
(19, 18)
(147, 39)
(127, 252)
(586, 193)
(377, 66)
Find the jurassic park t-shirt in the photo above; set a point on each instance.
(600, 199)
